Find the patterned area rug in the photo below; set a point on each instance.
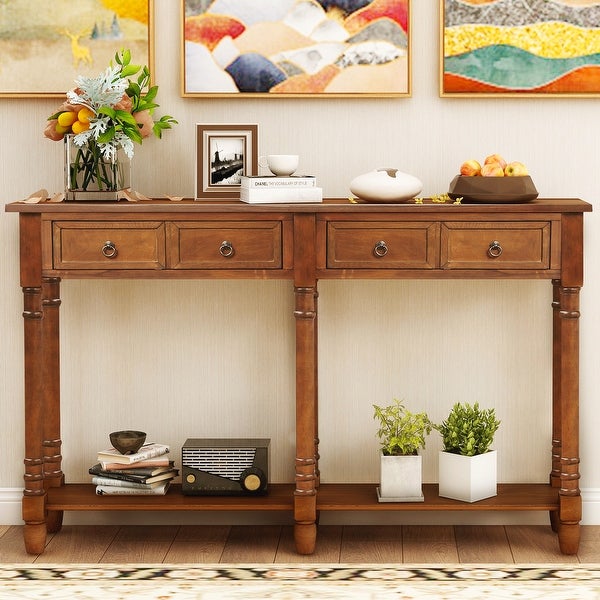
(291, 582)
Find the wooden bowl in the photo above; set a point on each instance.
(493, 189)
(127, 441)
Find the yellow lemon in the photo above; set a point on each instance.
(67, 118)
(84, 115)
(60, 129)
(78, 127)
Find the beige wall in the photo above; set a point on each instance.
(205, 358)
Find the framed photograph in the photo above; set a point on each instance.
(223, 154)
(535, 48)
(287, 48)
(44, 46)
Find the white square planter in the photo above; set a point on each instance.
(401, 479)
(468, 478)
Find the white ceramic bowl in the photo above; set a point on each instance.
(386, 185)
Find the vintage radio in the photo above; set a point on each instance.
(225, 467)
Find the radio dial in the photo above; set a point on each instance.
(253, 479)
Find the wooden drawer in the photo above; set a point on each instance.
(108, 245)
(503, 245)
(225, 245)
(381, 245)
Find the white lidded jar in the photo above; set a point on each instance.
(386, 185)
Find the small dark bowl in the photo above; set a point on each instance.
(493, 189)
(127, 442)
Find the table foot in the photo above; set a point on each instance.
(34, 536)
(305, 536)
(554, 520)
(568, 538)
(54, 521)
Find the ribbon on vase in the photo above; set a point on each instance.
(126, 194)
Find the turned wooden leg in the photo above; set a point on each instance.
(305, 531)
(316, 392)
(52, 458)
(34, 494)
(568, 428)
(556, 408)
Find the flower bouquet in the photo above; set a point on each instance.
(100, 121)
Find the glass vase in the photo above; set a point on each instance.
(90, 176)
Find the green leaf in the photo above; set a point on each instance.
(107, 136)
(130, 70)
(151, 94)
(124, 116)
(108, 111)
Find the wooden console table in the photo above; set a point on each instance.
(542, 239)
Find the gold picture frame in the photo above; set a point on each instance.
(288, 49)
(44, 48)
(518, 49)
(224, 152)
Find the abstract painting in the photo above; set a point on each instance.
(275, 48)
(520, 47)
(46, 44)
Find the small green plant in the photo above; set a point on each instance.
(468, 430)
(401, 432)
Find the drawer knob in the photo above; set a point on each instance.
(226, 249)
(380, 249)
(109, 249)
(495, 249)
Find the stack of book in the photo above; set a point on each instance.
(272, 189)
(148, 471)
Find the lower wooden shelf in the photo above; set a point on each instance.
(82, 496)
(330, 497)
(511, 496)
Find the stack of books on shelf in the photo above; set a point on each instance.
(147, 472)
(271, 189)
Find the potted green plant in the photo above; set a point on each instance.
(467, 466)
(401, 434)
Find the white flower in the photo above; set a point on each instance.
(94, 92)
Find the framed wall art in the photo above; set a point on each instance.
(44, 46)
(295, 48)
(223, 154)
(520, 48)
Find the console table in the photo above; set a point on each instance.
(337, 239)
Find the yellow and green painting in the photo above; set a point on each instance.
(521, 47)
(46, 44)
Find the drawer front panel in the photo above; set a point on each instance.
(225, 245)
(506, 245)
(98, 245)
(380, 245)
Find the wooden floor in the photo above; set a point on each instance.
(274, 544)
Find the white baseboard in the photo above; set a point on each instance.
(10, 506)
(591, 506)
(10, 514)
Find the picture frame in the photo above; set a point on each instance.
(290, 49)
(224, 152)
(42, 53)
(535, 49)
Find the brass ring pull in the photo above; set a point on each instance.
(109, 249)
(226, 249)
(495, 249)
(380, 249)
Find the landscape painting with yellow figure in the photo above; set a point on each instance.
(46, 44)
